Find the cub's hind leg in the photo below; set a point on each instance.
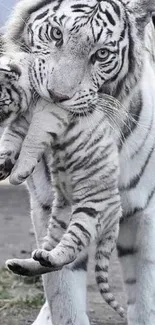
(55, 228)
(136, 250)
(65, 288)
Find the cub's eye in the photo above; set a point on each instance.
(102, 54)
(56, 34)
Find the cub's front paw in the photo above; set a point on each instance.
(22, 170)
(7, 161)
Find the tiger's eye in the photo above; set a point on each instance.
(102, 54)
(56, 34)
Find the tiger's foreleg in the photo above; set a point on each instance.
(63, 306)
(136, 250)
(42, 132)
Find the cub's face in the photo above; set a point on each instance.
(15, 94)
(9, 97)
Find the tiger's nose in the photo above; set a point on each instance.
(57, 97)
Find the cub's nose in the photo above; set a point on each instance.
(57, 97)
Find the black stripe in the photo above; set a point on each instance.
(130, 281)
(83, 230)
(111, 69)
(84, 163)
(70, 127)
(47, 171)
(101, 269)
(92, 194)
(99, 255)
(73, 162)
(69, 247)
(79, 6)
(136, 152)
(131, 58)
(89, 211)
(115, 7)
(53, 135)
(131, 213)
(101, 279)
(110, 18)
(79, 241)
(124, 49)
(133, 183)
(125, 251)
(42, 15)
(93, 173)
(70, 142)
(61, 223)
(134, 113)
(58, 5)
(106, 290)
(19, 133)
(80, 147)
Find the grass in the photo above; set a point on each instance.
(19, 292)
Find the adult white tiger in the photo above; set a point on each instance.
(83, 49)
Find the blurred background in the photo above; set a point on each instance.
(5, 8)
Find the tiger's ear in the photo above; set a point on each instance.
(143, 9)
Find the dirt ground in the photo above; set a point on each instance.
(17, 240)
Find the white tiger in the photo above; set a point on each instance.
(84, 49)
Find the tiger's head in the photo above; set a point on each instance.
(81, 49)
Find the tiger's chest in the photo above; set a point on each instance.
(137, 157)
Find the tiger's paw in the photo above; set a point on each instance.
(43, 257)
(7, 162)
(52, 258)
(27, 267)
(22, 170)
(18, 267)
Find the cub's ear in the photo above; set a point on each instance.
(142, 9)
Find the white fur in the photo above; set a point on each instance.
(137, 232)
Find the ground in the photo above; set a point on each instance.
(21, 298)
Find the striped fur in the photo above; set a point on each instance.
(127, 73)
(15, 109)
(84, 174)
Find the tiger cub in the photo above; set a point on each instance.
(84, 173)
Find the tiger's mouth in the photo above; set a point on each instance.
(58, 97)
